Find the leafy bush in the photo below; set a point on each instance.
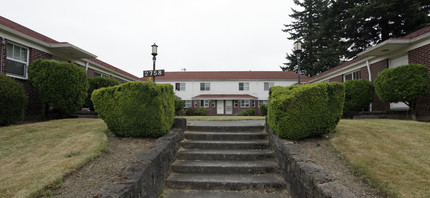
(263, 109)
(242, 113)
(403, 84)
(251, 112)
(179, 105)
(358, 95)
(13, 100)
(202, 111)
(136, 109)
(181, 112)
(61, 85)
(97, 83)
(301, 111)
(190, 112)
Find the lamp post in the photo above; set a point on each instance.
(298, 50)
(154, 54)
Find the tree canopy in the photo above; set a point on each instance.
(335, 31)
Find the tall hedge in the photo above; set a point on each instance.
(301, 111)
(136, 109)
(403, 84)
(13, 100)
(97, 83)
(61, 85)
(358, 95)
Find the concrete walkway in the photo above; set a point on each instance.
(227, 123)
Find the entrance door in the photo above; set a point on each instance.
(220, 107)
(228, 107)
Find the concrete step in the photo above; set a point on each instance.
(225, 135)
(225, 167)
(171, 193)
(238, 144)
(226, 128)
(236, 182)
(240, 155)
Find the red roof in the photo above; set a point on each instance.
(224, 96)
(229, 75)
(116, 69)
(17, 27)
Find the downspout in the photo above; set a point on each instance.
(86, 68)
(370, 79)
(3, 42)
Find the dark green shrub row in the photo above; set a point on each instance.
(251, 112)
(61, 85)
(263, 109)
(403, 84)
(358, 95)
(97, 83)
(301, 111)
(242, 113)
(13, 100)
(190, 112)
(136, 109)
(202, 111)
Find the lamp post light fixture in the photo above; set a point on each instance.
(298, 50)
(154, 54)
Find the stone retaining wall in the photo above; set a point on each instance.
(304, 178)
(145, 177)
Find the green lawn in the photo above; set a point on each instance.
(393, 155)
(33, 156)
(221, 118)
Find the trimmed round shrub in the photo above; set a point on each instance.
(13, 100)
(136, 109)
(251, 112)
(61, 85)
(403, 84)
(242, 113)
(190, 111)
(263, 109)
(179, 105)
(307, 110)
(97, 83)
(358, 95)
(202, 111)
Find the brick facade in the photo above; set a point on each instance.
(213, 110)
(3, 57)
(364, 73)
(421, 56)
(337, 79)
(375, 68)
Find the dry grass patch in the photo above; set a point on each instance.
(222, 118)
(392, 154)
(33, 156)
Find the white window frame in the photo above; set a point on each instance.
(195, 104)
(204, 103)
(181, 86)
(244, 104)
(187, 103)
(269, 84)
(26, 63)
(206, 86)
(352, 76)
(260, 102)
(245, 86)
(213, 103)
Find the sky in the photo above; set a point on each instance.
(198, 35)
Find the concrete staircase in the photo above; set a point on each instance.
(214, 163)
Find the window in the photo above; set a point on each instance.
(244, 86)
(213, 103)
(96, 74)
(17, 61)
(187, 103)
(267, 85)
(352, 76)
(235, 103)
(244, 103)
(195, 104)
(180, 86)
(260, 102)
(204, 103)
(253, 103)
(205, 86)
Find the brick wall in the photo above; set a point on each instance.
(421, 56)
(2, 64)
(364, 74)
(90, 73)
(375, 68)
(337, 79)
(36, 54)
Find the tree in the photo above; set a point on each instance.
(61, 85)
(403, 84)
